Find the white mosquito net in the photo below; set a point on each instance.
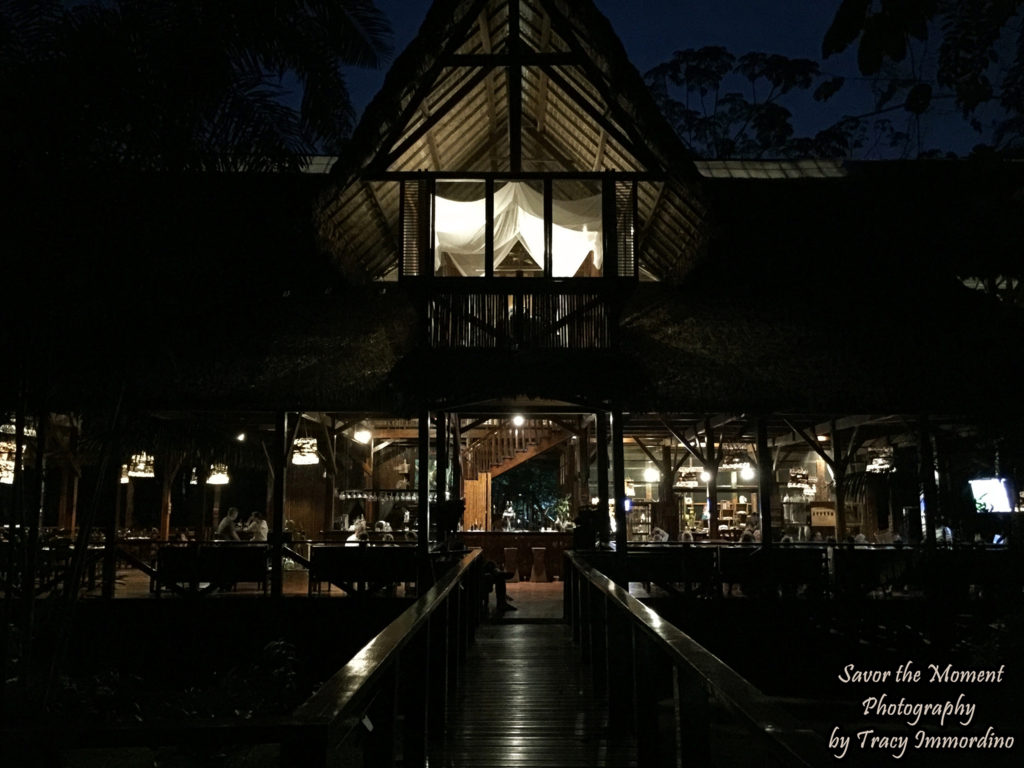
(461, 227)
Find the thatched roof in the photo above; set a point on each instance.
(446, 106)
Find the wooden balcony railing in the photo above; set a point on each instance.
(511, 313)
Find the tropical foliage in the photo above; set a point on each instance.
(978, 60)
(181, 84)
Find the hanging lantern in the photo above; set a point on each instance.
(218, 475)
(141, 465)
(304, 451)
(8, 450)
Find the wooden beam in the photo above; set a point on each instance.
(542, 86)
(462, 92)
(526, 59)
(431, 144)
(428, 81)
(486, 44)
(515, 90)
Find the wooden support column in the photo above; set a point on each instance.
(441, 441)
(711, 462)
(110, 488)
(839, 471)
(764, 482)
(35, 519)
(602, 477)
(610, 266)
(423, 484)
(458, 491)
(489, 232)
(619, 482)
(926, 470)
(581, 496)
(280, 455)
(668, 511)
(515, 92)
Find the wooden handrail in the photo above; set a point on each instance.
(750, 705)
(339, 703)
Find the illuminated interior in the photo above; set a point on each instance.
(460, 235)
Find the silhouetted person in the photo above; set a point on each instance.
(494, 579)
(226, 528)
(258, 527)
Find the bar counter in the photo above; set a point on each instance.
(494, 544)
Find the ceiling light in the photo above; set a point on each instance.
(651, 475)
(304, 451)
(218, 475)
(518, 420)
(240, 437)
(141, 465)
(747, 473)
(705, 477)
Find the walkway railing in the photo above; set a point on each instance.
(395, 691)
(674, 695)
(387, 699)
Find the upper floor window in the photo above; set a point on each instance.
(520, 236)
(516, 227)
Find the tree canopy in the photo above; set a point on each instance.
(181, 84)
(979, 59)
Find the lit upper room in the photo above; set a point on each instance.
(514, 138)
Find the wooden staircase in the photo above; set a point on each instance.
(506, 446)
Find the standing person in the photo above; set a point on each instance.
(226, 528)
(257, 526)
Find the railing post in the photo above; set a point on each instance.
(692, 717)
(568, 585)
(585, 616)
(437, 663)
(379, 746)
(648, 682)
(453, 639)
(620, 667)
(598, 642)
(307, 749)
(415, 699)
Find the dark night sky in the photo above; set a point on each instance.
(652, 29)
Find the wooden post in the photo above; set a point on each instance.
(423, 486)
(442, 456)
(458, 491)
(839, 471)
(926, 468)
(129, 503)
(515, 92)
(280, 456)
(602, 477)
(711, 467)
(668, 519)
(712, 494)
(764, 482)
(619, 482)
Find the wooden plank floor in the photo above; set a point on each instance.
(525, 701)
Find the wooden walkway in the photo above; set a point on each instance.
(524, 701)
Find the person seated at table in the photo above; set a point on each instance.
(257, 526)
(494, 579)
(226, 528)
(359, 534)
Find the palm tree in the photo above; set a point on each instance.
(182, 84)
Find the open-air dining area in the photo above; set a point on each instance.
(500, 429)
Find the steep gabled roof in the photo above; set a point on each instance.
(452, 103)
